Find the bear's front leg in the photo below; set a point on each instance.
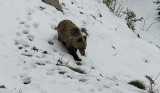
(72, 51)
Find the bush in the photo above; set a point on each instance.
(111, 4)
(137, 84)
(115, 6)
(131, 18)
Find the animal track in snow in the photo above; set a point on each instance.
(30, 11)
(18, 34)
(26, 80)
(27, 54)
(30, 37)
(35, 25)
(21, 42)
(27, 26)
(28, 18)
(51, 42)
(41, 8)
(25, 31)
(22, 22)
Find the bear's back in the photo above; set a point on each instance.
(67, 29)
(65, 24)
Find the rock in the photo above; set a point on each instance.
(82, 80)
(54, 3)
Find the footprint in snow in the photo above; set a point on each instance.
(54, 27)
(27, 26)
(30, 11)
(26, 80)
(41, 8)
(25, 31)
(21, 43)
(22, 22)
(18, 34)
(51, 42)
(28, 18)
(30, 37)
(35, 25)
(82, 80)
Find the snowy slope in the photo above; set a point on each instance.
(148, 29)
(30, 50)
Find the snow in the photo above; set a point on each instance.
(114, 55)
(150, 30)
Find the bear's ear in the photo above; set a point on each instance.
(84, 30)
(85, 37)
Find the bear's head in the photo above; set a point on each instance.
(80, 43)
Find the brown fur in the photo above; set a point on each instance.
(71, 36)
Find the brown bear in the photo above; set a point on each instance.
(71, 36)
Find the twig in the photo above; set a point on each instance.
(151, 25)
(101, 75)
(144, 22)
(157, 77)
(150, 79)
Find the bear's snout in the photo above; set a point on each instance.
(82, 51)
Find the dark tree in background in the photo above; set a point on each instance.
(157, 2)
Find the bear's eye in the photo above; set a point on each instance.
(80, 40)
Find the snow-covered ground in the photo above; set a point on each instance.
(29, 49)
(149, 28)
